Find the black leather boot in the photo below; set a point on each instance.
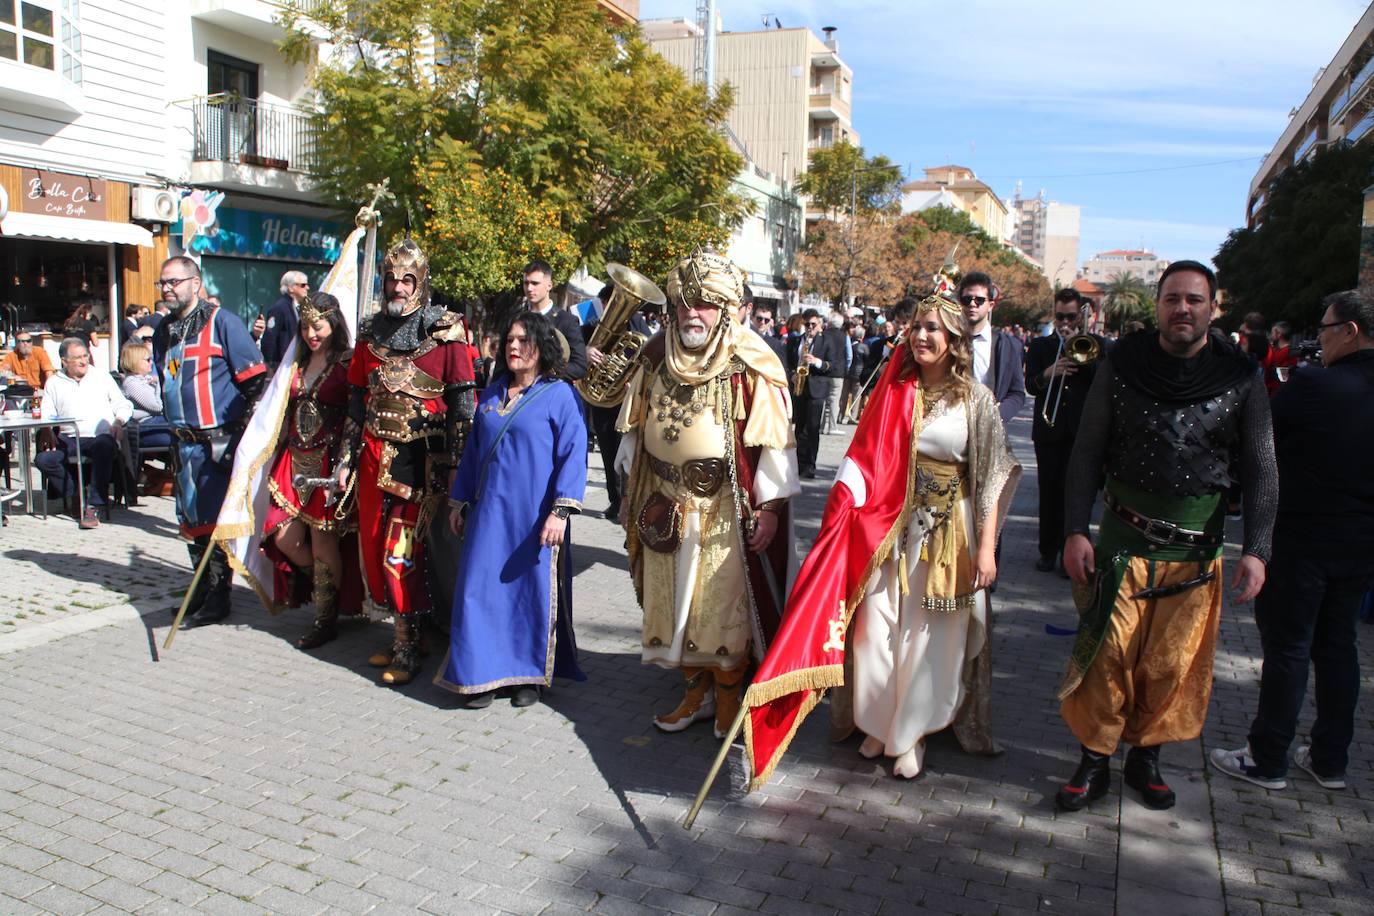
(405, 652)
(1090, 782)
(1142, 774)
(196, 550)
(216, 581)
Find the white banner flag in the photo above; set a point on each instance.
(239, 526)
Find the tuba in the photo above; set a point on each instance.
(604, 384)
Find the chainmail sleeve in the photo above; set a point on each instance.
(1259, 472)
(1089, 456)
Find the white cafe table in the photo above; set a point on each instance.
(25, 426)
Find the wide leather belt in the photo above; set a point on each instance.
(187, 434)
(1156, 531)
(701, 476)
(398, 418)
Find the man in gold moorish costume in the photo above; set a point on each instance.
(712, 465)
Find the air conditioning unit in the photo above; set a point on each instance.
(153, 205)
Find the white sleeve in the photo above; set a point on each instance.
(625, 456)
(776, 477)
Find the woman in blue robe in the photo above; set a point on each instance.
(522, 473)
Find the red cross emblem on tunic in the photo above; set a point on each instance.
(202, 352)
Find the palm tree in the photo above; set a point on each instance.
(1128, 299)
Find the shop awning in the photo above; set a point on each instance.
(68, 229)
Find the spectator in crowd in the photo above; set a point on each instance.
(27, 362)
(835, 330)
(133, 312)
(283, 318)
(81, 323)
(144, 391)
(538, 286)
(1281, 357)
(764, 323)
(1323, 558)
(100, 410)
(854, 376)
(154, 318)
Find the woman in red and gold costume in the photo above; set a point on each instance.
(892, 601)
(302, 530)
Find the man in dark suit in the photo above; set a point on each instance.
(997, 355)
(283, 319)
(1047, 372)
(763, 321)
(823, 356)
(1323, 558)
(538, 286)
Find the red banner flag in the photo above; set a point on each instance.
(807, 656)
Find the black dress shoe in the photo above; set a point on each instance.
(809, 473)
(524, 695)
(1044, 564)
(1090, 781)
(204, 617)
(1142, 774)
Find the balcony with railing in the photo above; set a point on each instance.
(1308, 145)
(245, 144)
(1345, 97)
(827, 105)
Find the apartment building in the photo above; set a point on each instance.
(1047, 231)
(1338, 108)
(957, 187)
(793, 91)
(112, 112)
(1105, 266)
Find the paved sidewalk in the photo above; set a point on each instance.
(235, 774)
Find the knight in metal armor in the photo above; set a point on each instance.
(1172, 420)
(412, 402)
(306, 519)
(712, 466)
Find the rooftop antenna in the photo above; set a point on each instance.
(766, 18)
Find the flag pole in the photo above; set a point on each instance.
(715, 767)
(186, 600)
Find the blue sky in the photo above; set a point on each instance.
(1050, 91)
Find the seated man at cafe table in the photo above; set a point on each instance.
(27, 362)
(100, 410)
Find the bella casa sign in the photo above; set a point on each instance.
(58, 194)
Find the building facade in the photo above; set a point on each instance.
(1339, 108)
(957, 187)
(766, 243)
(113, 112)
(1047, 231)
(1105, 266)
(793, 91)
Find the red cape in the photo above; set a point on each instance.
(807, 656)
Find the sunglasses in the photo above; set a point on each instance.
(973, 300)
(1066, 316)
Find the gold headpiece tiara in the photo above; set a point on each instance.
(317, 307)
(946, 283)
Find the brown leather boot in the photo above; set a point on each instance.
(729, 693)
(326, 596)
(696, 706)
(405, 654)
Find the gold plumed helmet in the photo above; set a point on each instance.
(707, 278)
(407, 258)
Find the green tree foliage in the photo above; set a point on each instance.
(1128, 298)
(1307, 244)
(834, 173)
(511, 128)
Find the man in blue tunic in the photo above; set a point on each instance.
(211, 374)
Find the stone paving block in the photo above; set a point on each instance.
(71, 875)
(121, 894)
(170, 886)
(18, 907)
(55, 899)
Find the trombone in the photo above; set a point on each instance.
(1083, 349)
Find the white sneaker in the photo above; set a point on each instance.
(1302, 758)
(1240, 764)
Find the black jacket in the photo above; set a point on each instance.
(1039, 357)
(282, 324)
(1324, 437)
(825, 347)
(567, 324)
